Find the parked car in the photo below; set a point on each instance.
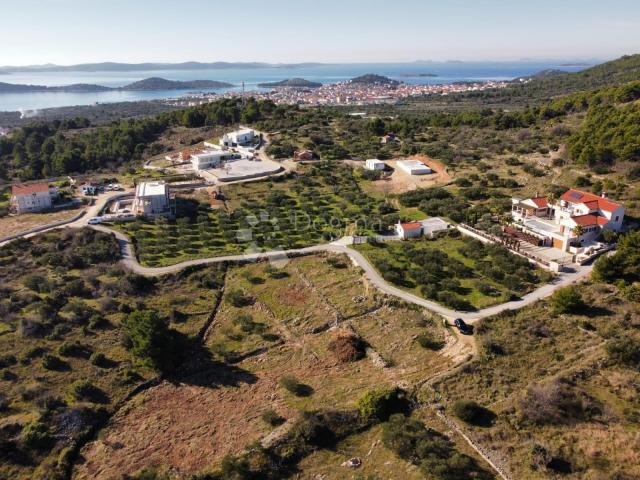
(95, 220)
(463, 327)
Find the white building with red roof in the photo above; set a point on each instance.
(406, 230)
(34, 197)
(575, 220)
(427, 227)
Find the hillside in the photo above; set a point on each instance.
(157, 83)
(541, 88)
(292, 83)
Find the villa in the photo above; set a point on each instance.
(240, 137)
(574, 221)
(211, 158)
(34, 197)
(152, 199)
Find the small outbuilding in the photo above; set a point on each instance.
(414, 167)
(374, 164)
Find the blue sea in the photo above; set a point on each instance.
(447, 72)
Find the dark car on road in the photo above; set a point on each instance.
(463, 327)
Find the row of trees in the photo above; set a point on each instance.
(58, 148)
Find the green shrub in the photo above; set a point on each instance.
(428, 342)
(624, 350)
(98, 359)
(51, 362)
(35, 435)
(84, 390)
(435, 454)
(238, 299)
(567, 300)
(152, 341)
(382, 403)
(291, 384)
(271, 417)
(73, 349)
(468, 411)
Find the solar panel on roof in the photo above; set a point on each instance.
(576, 195)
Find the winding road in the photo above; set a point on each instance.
(130, 262)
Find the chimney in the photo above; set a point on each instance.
(605, 194)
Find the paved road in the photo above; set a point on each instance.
(89, 212)
(130, 262)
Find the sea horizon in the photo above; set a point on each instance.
(412, 73)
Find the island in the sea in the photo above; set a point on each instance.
(418, 75)
(373, 79)
(291, 83)
(148, 84)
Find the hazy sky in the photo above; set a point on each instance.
(78, 31)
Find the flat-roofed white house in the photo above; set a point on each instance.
(414, 167)
(433, 225)
(212, 158)
(244, 136)
(152, 199)
(575, 220)
(374, 164)
(34, 197)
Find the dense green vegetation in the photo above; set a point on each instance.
(315, 206)
(430, 450)
(456, 271)
(77, 334)
(55, 148)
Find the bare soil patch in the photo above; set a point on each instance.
(13, 224)
(400, 181)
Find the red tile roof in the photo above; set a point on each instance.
(28, 189)
(541, 202)
(411, 225)
(591, 200)
(590, 219)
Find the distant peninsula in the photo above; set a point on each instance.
(147, 67)
(373, 79)
(548, 73)
(291, 83)
(156, 83)
(418, 75)
(148, 84)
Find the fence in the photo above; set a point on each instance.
(485, 237)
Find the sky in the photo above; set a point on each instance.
(80, 31)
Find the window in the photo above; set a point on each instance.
(617, 217)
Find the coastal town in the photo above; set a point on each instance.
(343, 93)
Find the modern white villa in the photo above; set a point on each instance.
(212, 158)
(152, 199)
(414, 167)
(34, 197)
(244, 136)
(572, 222)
